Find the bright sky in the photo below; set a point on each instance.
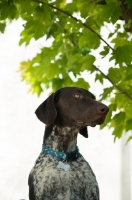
(21, 133)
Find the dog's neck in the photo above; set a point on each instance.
(62, 139)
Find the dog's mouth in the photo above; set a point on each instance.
(97, 121)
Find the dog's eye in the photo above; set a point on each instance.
(77, 96)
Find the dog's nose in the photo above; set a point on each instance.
(102, 109)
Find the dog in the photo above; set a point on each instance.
(61, 172)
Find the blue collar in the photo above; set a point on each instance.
(71, 156)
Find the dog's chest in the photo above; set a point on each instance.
(51, 182)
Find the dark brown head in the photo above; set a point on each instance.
(72, 107)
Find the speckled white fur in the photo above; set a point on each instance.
(48, 182)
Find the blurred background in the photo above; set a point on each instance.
(21, 133)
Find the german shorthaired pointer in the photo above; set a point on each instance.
(61, 172)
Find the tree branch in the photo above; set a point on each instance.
(116, 86)
(77, 20)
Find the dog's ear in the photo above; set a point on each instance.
(84, 132)
(46, 112)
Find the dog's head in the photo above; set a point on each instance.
(72, 107)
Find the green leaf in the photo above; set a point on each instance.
(115, 74)
(2, 27)
(45, 10)
(106, 93)
(111, 11)
(81, 83)
(128, 25)
(8, 11)
(120, 41)
(89, 39)
(118, 119)
(87, 62)
(112, 108)
(36, 88)
(33, 29)
(129, 3)
(12, 11)
(128, 125)
(105, 51)
(99, 77)
(123, 54)
(111, 34)
(128, 140)
(118, 122)
(118, 131)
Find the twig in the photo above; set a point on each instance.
(116, 86)
(69, 15)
